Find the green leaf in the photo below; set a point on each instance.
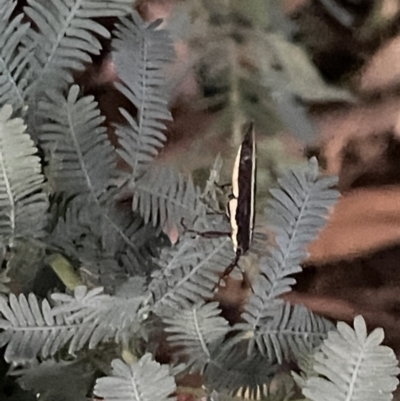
(15, 59)
(196, 332)
(80, 155)
(141, 51)
(166, 198)
(297, 212)
(291, 332)
(31, 328)
(67, 36)
(52, 380)
(23, 204)
(353, 366)
(190, 271)
(145, 380)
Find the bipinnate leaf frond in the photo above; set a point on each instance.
(67, 36)
(297, 212)
(79, 230)
(105, 272)
(32, 329)
(237, 373)
(81, 160)
(111, 316)
(81, 157)
(23, 204)
(166, 198)
(353, 366)
(145, 380)
(15, 59)
(140, 54)
(290, 333)
(85, 234)
(52, 380)
(190, 271)
(195, 332)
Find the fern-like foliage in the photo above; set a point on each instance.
(166, 198)
(196, 332)
(282, 389)
(80, 231)
(82, 161)
(66, 36)
(235, 372)
(23, 204)
(51, 380)
(81, 157)
(145, 380)
(111, 316)
(140, 54)
(292, 332)
(31, 329)
(15, 59)
(105, 272)
(84, 234)
(297, 212)
(353, 366)
(190, 271)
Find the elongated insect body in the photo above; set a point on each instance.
(242, 202)
(241, 205)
